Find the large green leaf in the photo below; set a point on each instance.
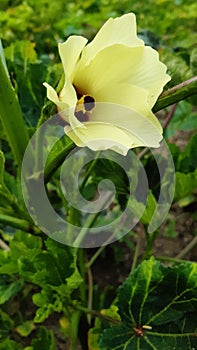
(158, 307)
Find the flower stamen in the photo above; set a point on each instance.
(84, 107)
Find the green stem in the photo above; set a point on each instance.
(136, 253)
(176, 93)
(82, 271)
(95, 256)
(18, 223)
(169, 259)
(75, 318)
(97, 314)
(11, 117)
(88, 224)
(88, 173)
(53, 164)
(150, 238)
(90, 293)
(99, 251)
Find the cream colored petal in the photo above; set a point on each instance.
(66, 110)
(149, 73)
(121, 30)
(69, 52)
(100, 136)
(118, 128)
(52, 96)
(145, 127)
(138, 66)
(132, 97)
(68, 94)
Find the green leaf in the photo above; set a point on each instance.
(8, 344)
(44, 341)
(48, 303)
(5, 196)
(185, 184)
(28, 72)
(25, 328)
(187, 161)
(158, 307)
(9, 288)
(183, 119)
(6, 324)
(11, 117)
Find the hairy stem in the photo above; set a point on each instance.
(176, 93)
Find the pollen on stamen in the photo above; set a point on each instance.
(84, 107)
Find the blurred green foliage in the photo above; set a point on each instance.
(30, 31)
(46, 22)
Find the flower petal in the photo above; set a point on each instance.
(126, 129)
(121, 30)
(96, 137)
(53, 96)
(138, 66)
(69, 52)
(126, 95)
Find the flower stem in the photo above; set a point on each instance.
(176, 93)
(53, 164)
(88, 173)
(11, 117)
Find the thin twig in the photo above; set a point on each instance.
(169, 259)
(187, 248)
(4, 246)
(179, 86)
(90, 292)
(170, 115)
